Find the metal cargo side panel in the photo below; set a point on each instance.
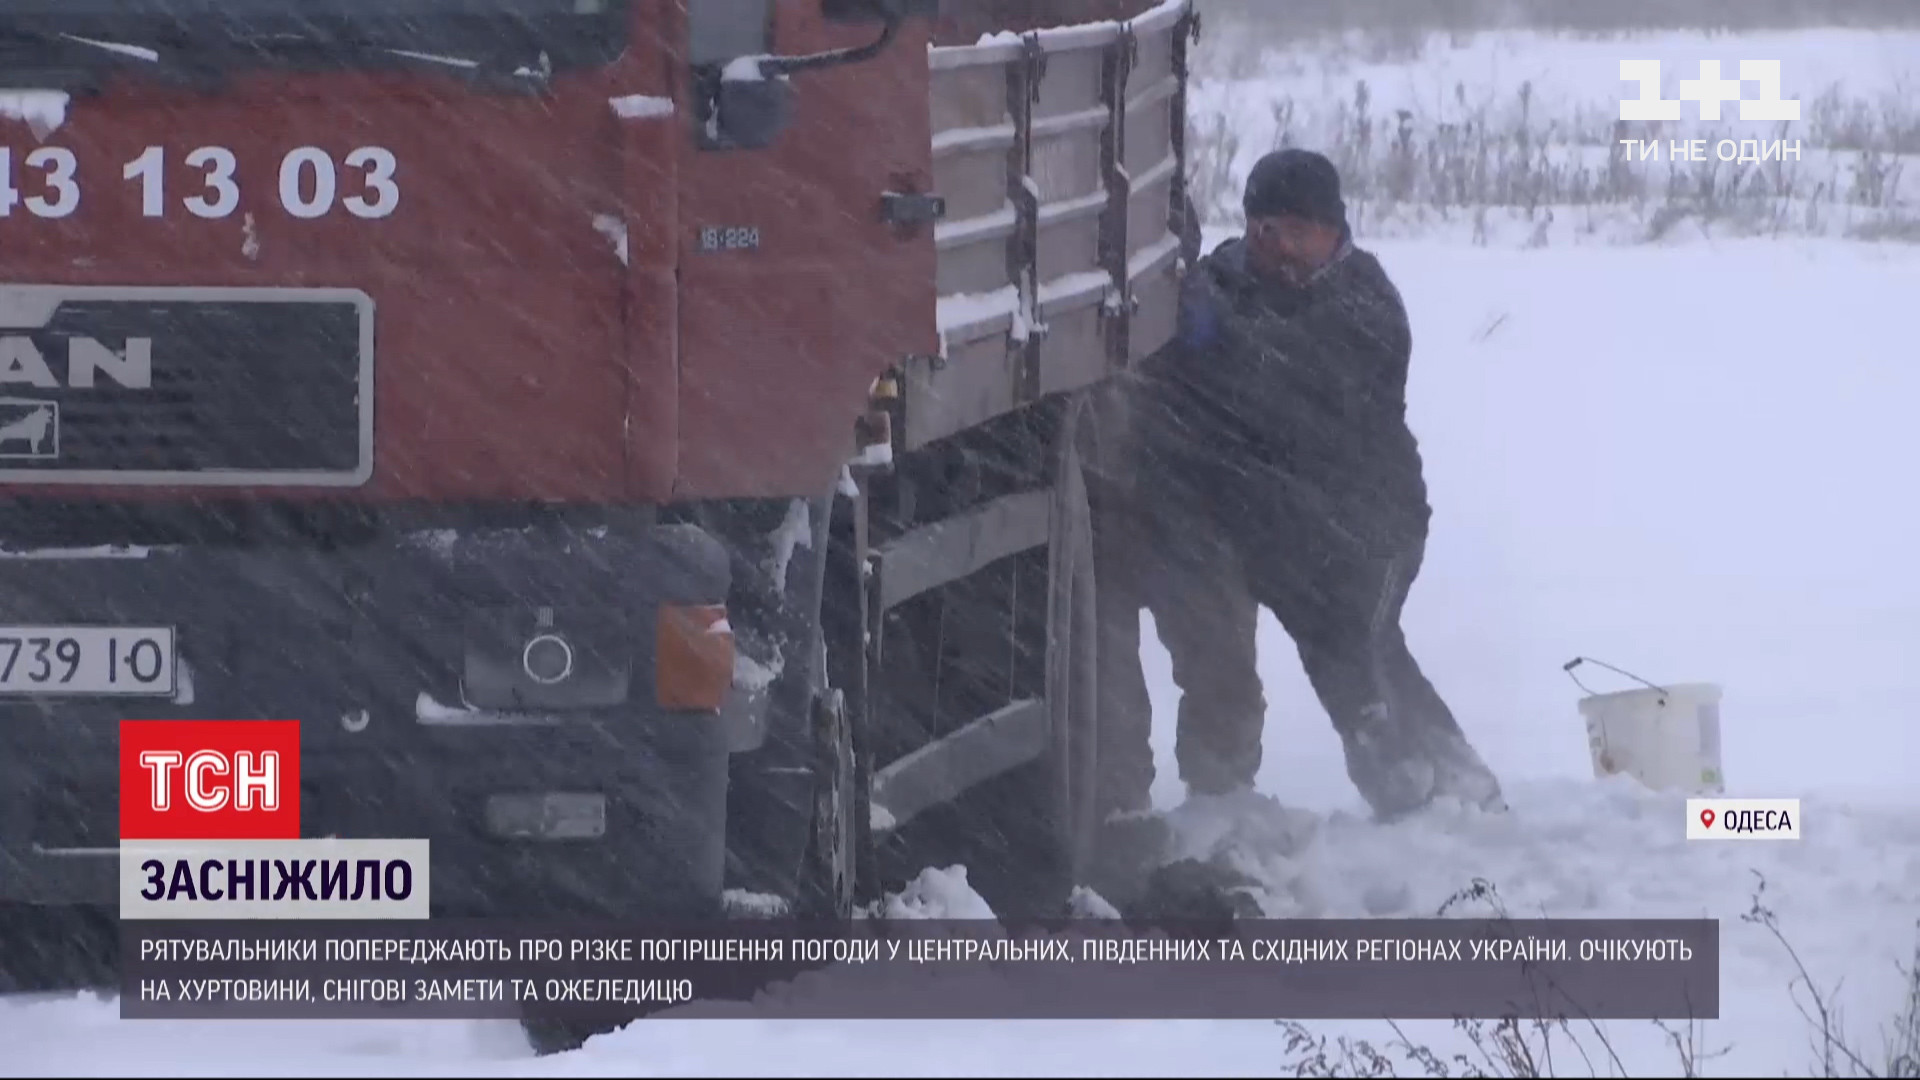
(1059, 153)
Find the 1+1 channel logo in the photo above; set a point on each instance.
(1709, 91)
(210, 829)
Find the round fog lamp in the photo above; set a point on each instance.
(547, 659)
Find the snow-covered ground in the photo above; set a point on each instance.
(1694, 462)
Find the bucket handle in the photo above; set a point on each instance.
(1578, 660)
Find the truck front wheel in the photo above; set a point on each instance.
(828, 877)
(1073, 665)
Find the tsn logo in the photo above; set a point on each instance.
(209, 780)
(247, 782)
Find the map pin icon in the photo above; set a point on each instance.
(1706, 819)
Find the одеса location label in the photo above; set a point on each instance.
(1743, 819)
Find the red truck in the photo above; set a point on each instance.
(641, 441)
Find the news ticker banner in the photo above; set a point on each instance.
(1083, 969)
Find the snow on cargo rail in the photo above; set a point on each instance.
(1060, 154)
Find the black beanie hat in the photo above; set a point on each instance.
(1296, 183)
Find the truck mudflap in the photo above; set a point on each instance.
(541, 703)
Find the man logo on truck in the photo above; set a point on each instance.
(29, 429)
(21, 361)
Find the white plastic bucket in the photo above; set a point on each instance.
(1668, 739)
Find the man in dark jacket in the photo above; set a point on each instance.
(1271, 446)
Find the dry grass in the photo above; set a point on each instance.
(1513, 1047)
(1493, 160)
(1835, 1054)
(1500, 1047)
(1575, 16)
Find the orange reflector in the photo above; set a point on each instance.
(693, 657)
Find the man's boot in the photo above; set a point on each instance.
(1191, 891)
(1399, 772)
(1391, 769)
(1132, 845)
(1460, 773)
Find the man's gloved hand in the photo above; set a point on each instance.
(1201, 306)
(1230, 283)
(1225, 307)
(1254, 312)
(1220, 307)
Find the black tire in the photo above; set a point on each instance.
(829, 876)
(845, 628)
(1073, 659)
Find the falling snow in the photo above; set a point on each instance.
(615, 230)
(794, 533)
(754, 676)
(745, 69)
(43, 111)
(1675, 448)
(641, 107)
(741, 904)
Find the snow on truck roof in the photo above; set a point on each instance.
(1005, 45)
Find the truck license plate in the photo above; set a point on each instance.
(127, 661)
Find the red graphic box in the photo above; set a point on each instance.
(209, 779)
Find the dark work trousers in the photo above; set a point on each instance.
(1208, 621)
(1341, 605)
(1152, 555)
(1340, 601)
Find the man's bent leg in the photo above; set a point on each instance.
(1403, 745)
(1342, 626)
(1458, 769)
(1209, 623)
